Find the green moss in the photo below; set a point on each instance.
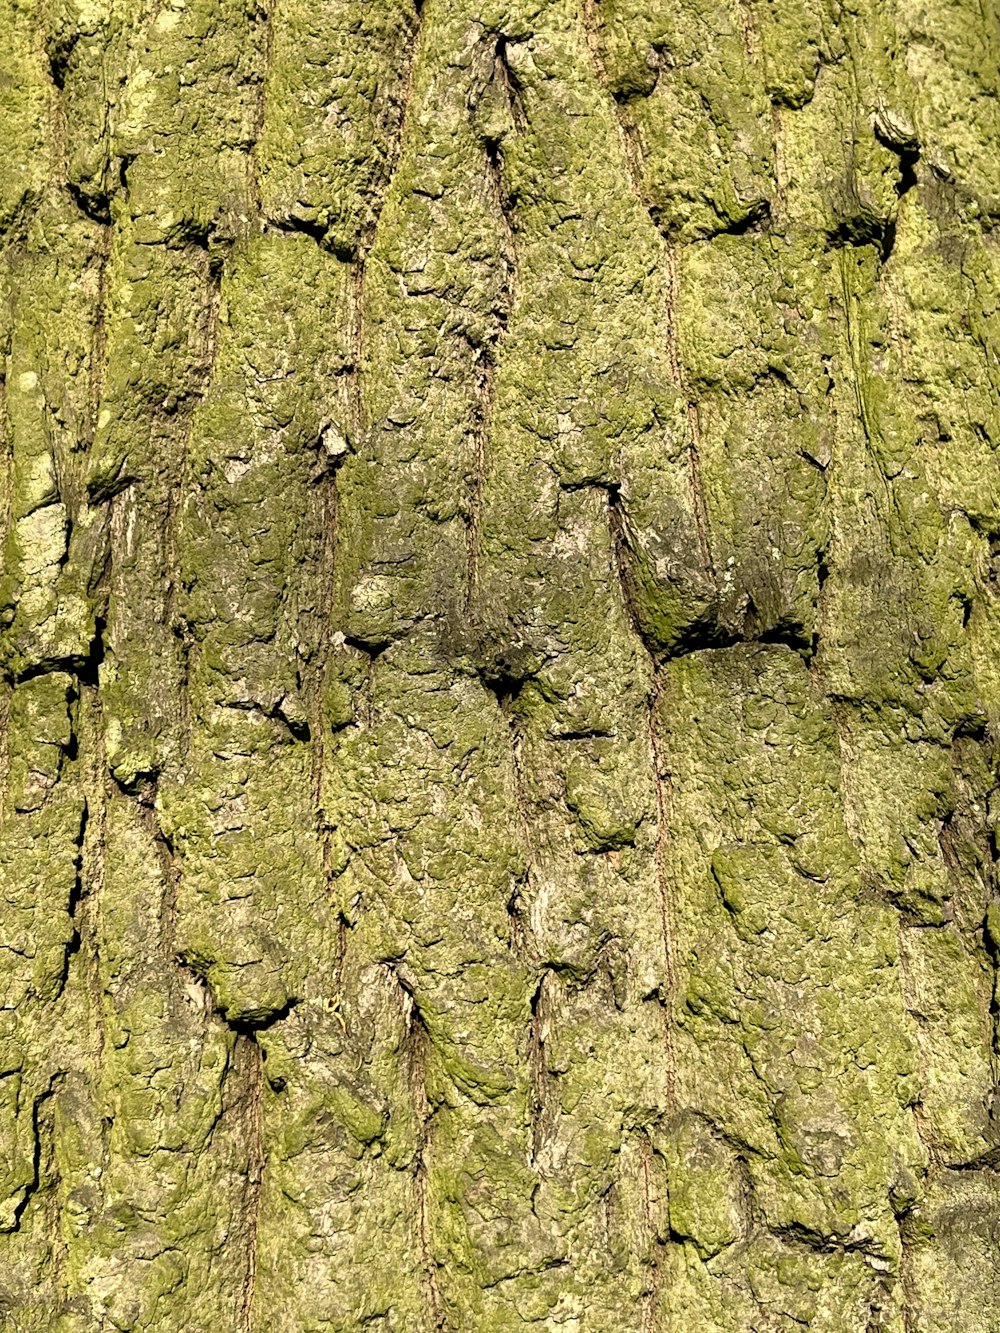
(499, 662)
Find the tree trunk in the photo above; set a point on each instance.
(501, 666)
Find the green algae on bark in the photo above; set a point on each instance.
(499, 692)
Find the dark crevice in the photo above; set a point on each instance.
(36, 1152)
(809, 458)
(297, 727)
(597, 733)
(989, 1161)
(888, 241)
(244, 1026)
(757, 219)
(96, 207)
(800, 1236)
(494, 163)
(974, 729)
(610, 488)
(911, 915)
(907, 149)
(89, 668)
(546, 1266)
(859, 231)
(701, 633)
(822, 576)
(344, 926)
(508, 81)
(76, 896)
(503, 684)
(70, 526)
(124, 163)
(45, 667)
(372, 648)
(82, 665)
(822, 571)
(138, 786)
(792, 634)
(332, 450)
(536, 1055)
(101, 489)
(416, 1043)
(908, 179)
(291, 225)
(506, 686)
(866, 229)
(60, 53)
(276, 1082)
(704, 632)
(249, 1027)
(515, 918)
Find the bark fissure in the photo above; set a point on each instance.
(417, 1040)
(661, 779)
(539, 1073)
(650, 1309)
(694, 426)
(38, 1130)
(257, 1161)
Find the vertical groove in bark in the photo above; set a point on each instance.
(489, 351)
(633, 162)
(249, 1053)
(520, 798)
(267, 11)
(175, 620)
(590, 14)
(694, 428)
(745, 10)
(539, 1073)
(416, 1051)
(407, 98)
(650, 1320)
(92, 857)
(669, 999)
(5, 700)
(99, 342)
(619, 547)
(481, 426)
(778, 206)
(435, 1308)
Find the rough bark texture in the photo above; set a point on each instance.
(500, 637)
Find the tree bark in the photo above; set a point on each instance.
(499, 627)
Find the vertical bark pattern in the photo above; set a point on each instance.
(499, 697)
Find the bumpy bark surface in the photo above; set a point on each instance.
(500, 638)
